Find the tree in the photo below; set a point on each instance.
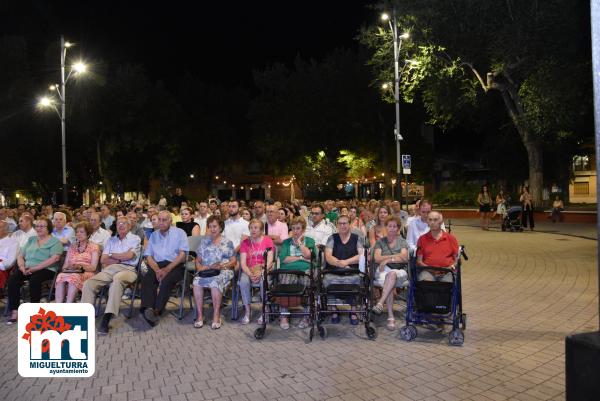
(317, 175)
(532, 54)
(358, 166)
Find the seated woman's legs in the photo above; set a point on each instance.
(245, 290)
(72, 293)
(59, 295)
(217, 298)
(199, 298)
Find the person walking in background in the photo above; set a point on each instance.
(484, 199)
(527, 214)
(557, 207)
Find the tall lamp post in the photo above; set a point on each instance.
(46, 102)
(397, 46)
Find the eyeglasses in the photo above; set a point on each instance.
(317, 213)
(40, 226)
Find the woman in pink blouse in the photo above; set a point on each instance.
(80, 264)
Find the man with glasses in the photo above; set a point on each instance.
(119, 260)
(321, 229)
(165, 258)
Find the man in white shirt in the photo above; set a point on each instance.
(419, 225)
(202, 217)
(25, 230)
(99, 236)
(321, 229)
(119, 260)
(236, 228)
(8, 253)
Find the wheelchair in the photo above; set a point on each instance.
(434, 302)
(276, 294)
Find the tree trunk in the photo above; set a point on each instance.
(536, 171)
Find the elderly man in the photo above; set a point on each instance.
(419, 225)
(64, 233)
(165, 258)
(436, 248)
(136, 226)
(236, 228)
(119, 260)
(99, 236)
(274, 228)
(8, 253)
(25, 230)
(321, 229)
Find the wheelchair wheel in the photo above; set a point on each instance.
(322, 332)
(463, 320)
(371, 332)
(456, 337)
(259, 333)
(408, 333)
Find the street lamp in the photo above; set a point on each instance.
(397, 46)
(45, 102)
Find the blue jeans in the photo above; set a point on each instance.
(246, 285)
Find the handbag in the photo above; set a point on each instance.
(208, 273)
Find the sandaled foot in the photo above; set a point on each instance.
(198, 324)
(245, 319)
(284, 323)
(391, 324)
(216, 325)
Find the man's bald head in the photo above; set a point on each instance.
(435, 220)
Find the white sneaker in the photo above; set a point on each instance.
(245, 320)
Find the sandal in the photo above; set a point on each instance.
(378, 308)
(284, 323)
(261, 320)
(391, 324)
(216, 325)
(198, 324)
(353, 320)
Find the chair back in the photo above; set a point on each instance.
(193, 243)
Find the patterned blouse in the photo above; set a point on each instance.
(210, 253)
(84, 257)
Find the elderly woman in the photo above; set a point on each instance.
(378, 231)
(295, 254)
(390, 255)
(37, 262)
(64, 233)
(80, 263)
(252, 260)
(187, 222)
(343, 251)
(217, 254)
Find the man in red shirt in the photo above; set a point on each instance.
(436, 248)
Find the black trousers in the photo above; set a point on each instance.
(150, 284)
(16, 280)
(527, 215)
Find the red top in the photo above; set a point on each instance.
(437, 253)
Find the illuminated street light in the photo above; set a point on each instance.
(45, 102)
(385, 17)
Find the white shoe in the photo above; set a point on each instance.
(245, 319)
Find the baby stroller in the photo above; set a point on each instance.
(512, 219)
(277, 294)
(339, 294)
(435, 302)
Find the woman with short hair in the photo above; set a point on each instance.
(80, 264)
(187, 222)
(37, 262)
(216, 258)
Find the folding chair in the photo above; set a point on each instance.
(188, 274)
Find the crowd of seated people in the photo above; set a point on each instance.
(102, 244)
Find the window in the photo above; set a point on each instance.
(581, 163)
(581, 188)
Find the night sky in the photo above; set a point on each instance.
(223, 41)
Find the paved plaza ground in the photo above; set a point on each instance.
(523, 293)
